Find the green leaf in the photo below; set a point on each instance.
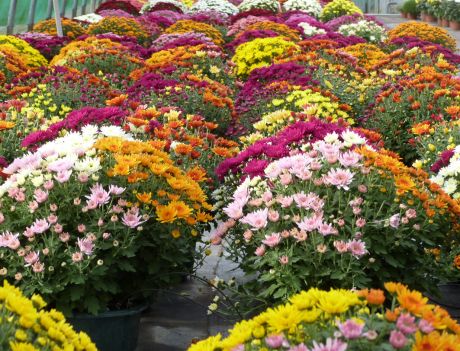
(391, 261)
(126, 266)
(92, 304)
(337, 275)
(78, 279)
(76, 292)
(280, 293)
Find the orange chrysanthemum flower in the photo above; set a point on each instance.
(117, 101)
(197, 173)
(413, 301)
(183, 149)
(166, 214)
(375, 297)
(144, 197)
(6, 125)
(421, 128)
(182, 210)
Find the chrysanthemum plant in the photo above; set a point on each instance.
(328, 213)
(339, 320)
(26, 324)
(95, 220)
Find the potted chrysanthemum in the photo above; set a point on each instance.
(301, 211)
(95, 221)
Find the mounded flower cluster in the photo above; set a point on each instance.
(154, 5)
(70, 28)
(30, 56)
(220, 6)
(110, 175)
(337, 8)
(270, 5)
(312, 7)
(28, 325)
(318, 204)
(339, 320)
(120, 26)
(368, 30)
(423, 31)
(260, 52)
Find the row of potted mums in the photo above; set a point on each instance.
(444, 13)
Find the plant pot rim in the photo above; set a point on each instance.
(449, 284)
(110, 314)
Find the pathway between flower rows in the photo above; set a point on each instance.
(180, 316)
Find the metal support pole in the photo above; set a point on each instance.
(74, 8)
(83, 7)
(49, 10)
(11, 16)
(57, 16)
(31, 17)
(64, 5)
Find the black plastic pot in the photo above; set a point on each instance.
(113, 330)
(449, 299)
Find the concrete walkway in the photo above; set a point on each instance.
(180, 316)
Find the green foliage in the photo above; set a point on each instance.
(410, 6)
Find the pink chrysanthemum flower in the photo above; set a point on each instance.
(330, 345)
(351, 329)
(406, 323)
(257, 219)
(341, 178)
(357, 248)
(86, 246)
(132, 218)
(40, 226)
(272, 240)
(98, 195)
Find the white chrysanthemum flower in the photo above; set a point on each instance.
(222, 6)
(88, 165)
(351, 138)
(331, 138)
(115, 131)
(309, 30)
(152, 3)
(368, 30)
(247, 5)
(450, 186)
(89, 130)
(312, 7)
(90, 18)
